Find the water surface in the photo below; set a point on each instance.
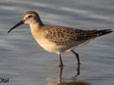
(26, 63)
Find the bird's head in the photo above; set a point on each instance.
(30, 17)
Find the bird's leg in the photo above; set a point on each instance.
(61, 62)
(77, 56)
(78, 71)
(61, 72)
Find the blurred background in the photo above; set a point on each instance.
(25, 63)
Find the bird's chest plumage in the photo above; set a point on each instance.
(41, 38)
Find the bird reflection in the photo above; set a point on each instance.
(68, 81)
(77, 74)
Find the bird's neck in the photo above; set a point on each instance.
(36, 26)
(35, 29)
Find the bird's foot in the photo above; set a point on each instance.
(61, 65)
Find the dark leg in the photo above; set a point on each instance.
(77, 56)
(61, 72)
(61, 62)
(78, 71)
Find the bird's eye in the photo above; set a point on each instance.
(29, 16)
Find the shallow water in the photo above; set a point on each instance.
(26, 63)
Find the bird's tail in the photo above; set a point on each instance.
(103, 32)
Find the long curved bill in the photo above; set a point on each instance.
(18, 24)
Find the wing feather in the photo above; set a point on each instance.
(64, 35)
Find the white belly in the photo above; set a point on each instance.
(51, 47)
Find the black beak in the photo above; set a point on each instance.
(20, 23)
